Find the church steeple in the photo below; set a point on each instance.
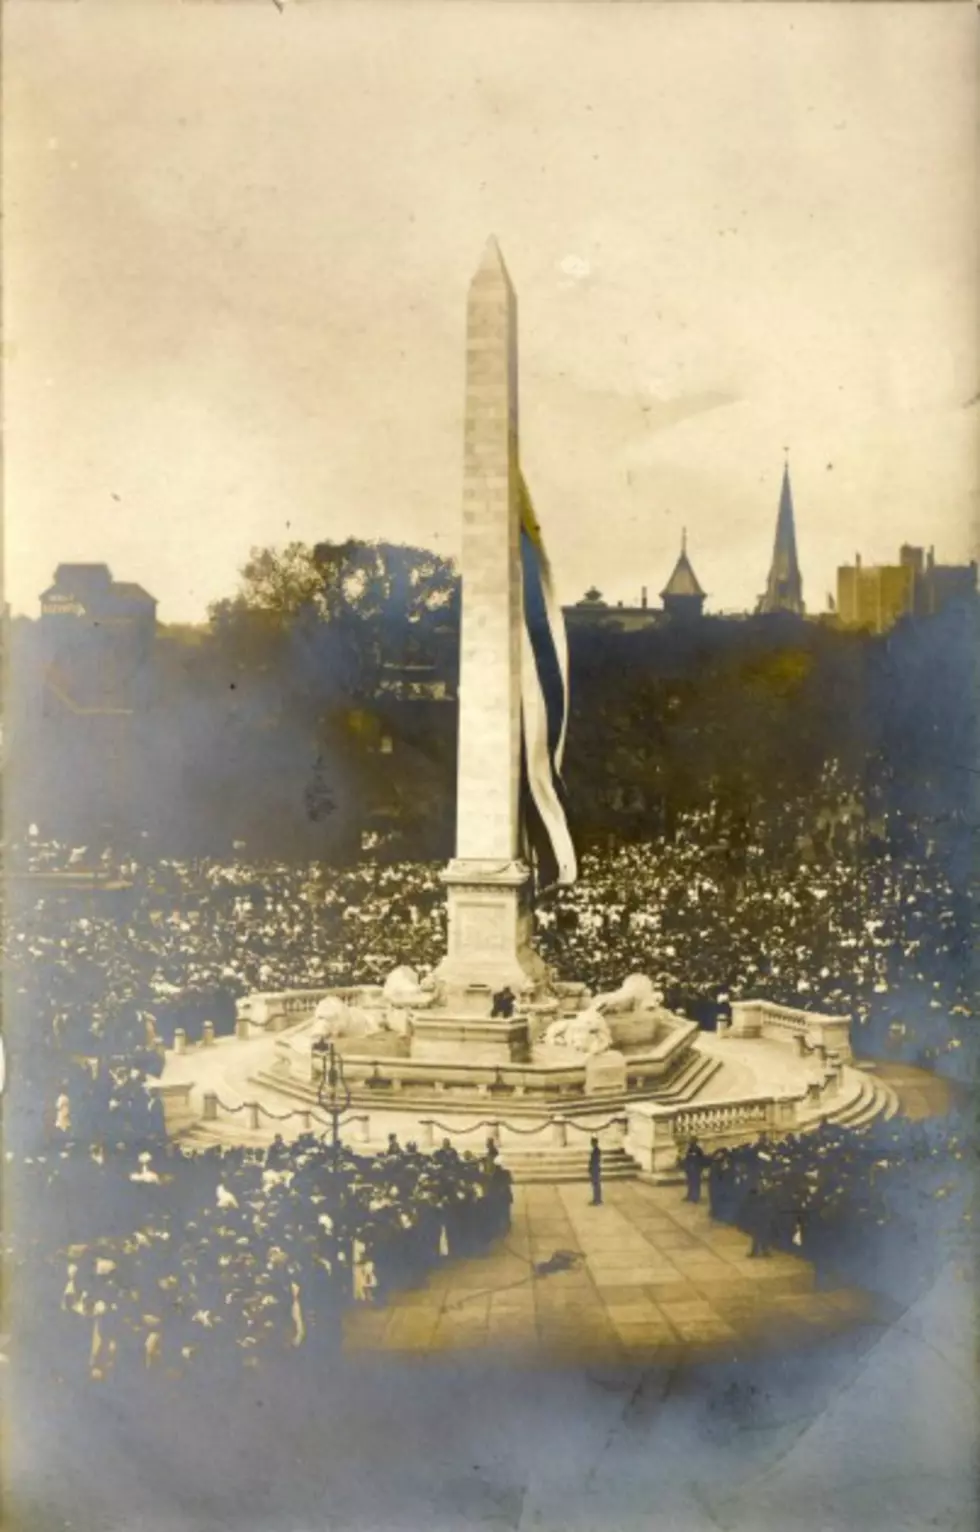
(784, 588)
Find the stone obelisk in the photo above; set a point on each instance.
(489, 912)
(487, 808)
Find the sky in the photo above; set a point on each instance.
(237, 241)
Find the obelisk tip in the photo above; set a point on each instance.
(492, 262)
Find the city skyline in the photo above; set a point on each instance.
(242, 326)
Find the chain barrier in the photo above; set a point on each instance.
(432, 1122)
(311, 1112)
(425, 1122)
(523, 1132)
(224, 1105)
(614, 1122)
(278, 1116)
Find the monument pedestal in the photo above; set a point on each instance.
(490, 934)
(441, 1038)
(489, 949)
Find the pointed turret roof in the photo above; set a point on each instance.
(683, 581)
(784, 588)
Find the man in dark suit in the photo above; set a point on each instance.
(693, 1163)
(595, 1172)
(503, 1003)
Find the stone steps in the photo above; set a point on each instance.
(685, 1086)
(874, 1098)
(881, 1102)
(224, 1135)
(527, 1166)
(530, 1166)
(690, 1081)
(855, 1104)
(868, 1098)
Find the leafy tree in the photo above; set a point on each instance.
(386, 583)
(278, 582)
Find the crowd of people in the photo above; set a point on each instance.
(831, 910)
(881, 1207)
(846, 923)
(853, 917)
(173, 1261)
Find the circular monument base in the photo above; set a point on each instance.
(658, 1083)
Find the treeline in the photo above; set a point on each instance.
(316, 708)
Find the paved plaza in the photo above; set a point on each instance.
(645, 1277)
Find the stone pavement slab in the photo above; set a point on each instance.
(650, 1279)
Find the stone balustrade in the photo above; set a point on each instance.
(657, 1135)
(764, 1018)
(274, 1011)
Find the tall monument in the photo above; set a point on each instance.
(490, 923)
(554, 1055)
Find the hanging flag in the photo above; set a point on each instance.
(544, 713)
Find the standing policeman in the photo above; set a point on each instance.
(693, 1163)
(595, 1172)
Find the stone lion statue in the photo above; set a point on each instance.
(585, 1032)
(404, 987)
(636, 993)
(334, 1018)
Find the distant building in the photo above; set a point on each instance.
(938, 585)
(96, 636)
(784, 587)
(682, 596)
(876, 596)
(88, 592)
(593, 611)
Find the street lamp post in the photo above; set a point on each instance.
(333, 1092)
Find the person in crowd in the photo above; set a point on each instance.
(693, 1162)
(503, 1003)
(719, 1185)
(62, 1113)
(755, 1207)
(595, 1172)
